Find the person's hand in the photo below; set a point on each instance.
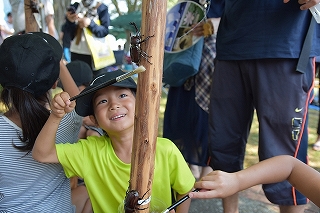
(217, 184)
(203, 28)
(305, 4)
(84, 22)
(197, 29)
(60, 104)
(72, 17)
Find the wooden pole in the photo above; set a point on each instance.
(31, 23)
(148, 99)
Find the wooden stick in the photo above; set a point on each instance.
(148, 99)
(31, 23)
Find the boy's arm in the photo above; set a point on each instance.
(67, 81)
(44, 149)
(220, 184)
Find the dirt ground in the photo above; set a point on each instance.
(251, 200)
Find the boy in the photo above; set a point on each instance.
(104, 162)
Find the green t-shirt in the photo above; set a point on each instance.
(107, 177)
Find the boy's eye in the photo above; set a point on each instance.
(102, 101)
(123, 95)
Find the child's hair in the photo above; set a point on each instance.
(29, 67)
(32, 112)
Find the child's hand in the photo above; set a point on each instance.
(217, 184)
(60, 104)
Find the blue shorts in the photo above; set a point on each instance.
(280, 95)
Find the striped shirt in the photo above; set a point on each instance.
(30, 186)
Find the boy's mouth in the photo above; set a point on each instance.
(118, 116)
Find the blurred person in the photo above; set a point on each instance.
(84, 15)
(7, 27)
(257, 68)
(19, 17)
(186, 112)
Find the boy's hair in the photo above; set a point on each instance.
(84, 103)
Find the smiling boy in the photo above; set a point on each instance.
(104, 162)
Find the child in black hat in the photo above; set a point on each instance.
(30, 65)
(104, 162)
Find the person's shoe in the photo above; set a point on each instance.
(316, 146)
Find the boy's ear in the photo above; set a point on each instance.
(93, 119)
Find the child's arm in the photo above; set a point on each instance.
(220, 184)
(183, 207)
(67, 81)
(44, 149)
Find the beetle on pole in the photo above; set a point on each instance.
(148, 100)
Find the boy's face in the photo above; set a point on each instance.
(114, 109)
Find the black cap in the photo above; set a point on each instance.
(84, 103)
(30, 62)
(81, 73)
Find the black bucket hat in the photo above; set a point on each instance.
(84, 103)
(30, 62)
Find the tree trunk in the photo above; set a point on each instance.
(60, 9)
(31, 23)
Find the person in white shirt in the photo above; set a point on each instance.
(7, 27)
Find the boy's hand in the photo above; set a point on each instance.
(60, 104)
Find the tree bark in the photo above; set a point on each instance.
(148, 100)
(31, 23)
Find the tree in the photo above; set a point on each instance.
(132, 5)
(60, 8)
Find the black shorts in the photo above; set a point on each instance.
(280, 95)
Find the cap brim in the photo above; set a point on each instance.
(84, 103)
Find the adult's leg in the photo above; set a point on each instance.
(230, 204)
(230, 118)
(281, 98)
(316, 145)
